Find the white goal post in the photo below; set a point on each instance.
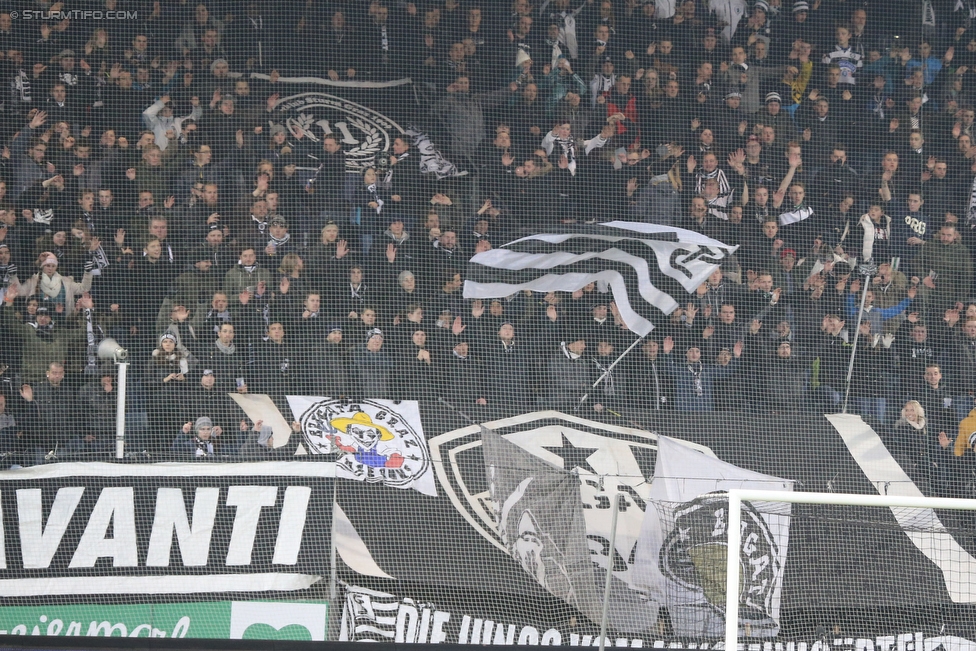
(738, 495)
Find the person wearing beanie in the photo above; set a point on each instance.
(52, 288)
(261, 443)
(166, 381)
(199, 439)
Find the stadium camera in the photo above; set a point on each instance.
(110, 349)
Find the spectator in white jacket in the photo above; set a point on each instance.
(165, 126)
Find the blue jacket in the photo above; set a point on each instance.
(686, 397)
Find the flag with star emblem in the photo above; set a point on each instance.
(539, 515)
(650, 269)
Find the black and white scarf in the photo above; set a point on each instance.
(971, 213)
(696, 370)
(280, 241)
(724, 187)
(93, 333)
(374, 196)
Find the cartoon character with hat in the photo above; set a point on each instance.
(366, 435)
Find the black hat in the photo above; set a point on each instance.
(200, 254)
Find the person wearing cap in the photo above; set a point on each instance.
(261, 444)
(407, 297)
(757, 28)
(569, 375)
(43, 340)
(793, 28)
(731, 121)
(613, 391)
(195, 287)
(276, 145)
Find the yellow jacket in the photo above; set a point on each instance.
(966, 428)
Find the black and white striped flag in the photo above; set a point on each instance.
(650, 269)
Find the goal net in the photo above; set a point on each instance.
(940, 531)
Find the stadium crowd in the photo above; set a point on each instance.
(151, 194)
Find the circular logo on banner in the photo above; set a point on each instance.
(362, 132)
(372, 442)
(693, 558)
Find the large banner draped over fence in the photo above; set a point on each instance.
(439, 537)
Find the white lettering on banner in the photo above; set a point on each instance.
(249, 500)
(110, 529)
(115, 507)
(194, 542)
(369, 615)
(291, 526)
(39, 543)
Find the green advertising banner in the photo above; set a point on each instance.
(226, 620)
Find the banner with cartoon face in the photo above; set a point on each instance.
(373, 441)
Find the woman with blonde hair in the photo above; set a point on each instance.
(911, 445)
(292, 281)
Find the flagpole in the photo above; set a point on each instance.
(868, 269)
(607, 372)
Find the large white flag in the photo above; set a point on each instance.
(650, 269)
(681, 553)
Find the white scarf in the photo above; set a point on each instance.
(51, 286)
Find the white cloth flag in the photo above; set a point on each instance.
(681, 553)
(650, 269)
